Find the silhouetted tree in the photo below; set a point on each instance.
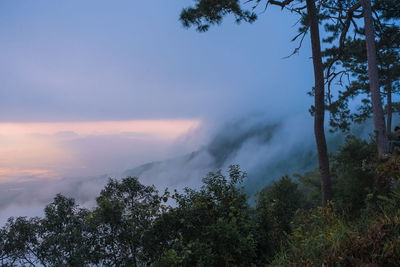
(209, 12)
(362, 60)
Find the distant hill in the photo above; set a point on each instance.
(266, 152)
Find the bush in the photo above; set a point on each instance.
(322, 236)
(208, 227)
(353, 174)
(315, 232)
(375, 241)
(275, 208)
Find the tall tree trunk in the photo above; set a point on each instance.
(319, 98)
(377, 110)
(389, 107)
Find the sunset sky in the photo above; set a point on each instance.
(49, 150)
(98, 86)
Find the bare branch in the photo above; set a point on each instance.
(282, 4)
(342, 38)
(296, 50)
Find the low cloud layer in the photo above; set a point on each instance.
(256, 143)
(265, 149)
(39, 160)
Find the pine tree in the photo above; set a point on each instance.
(210, 12)
(367, 65)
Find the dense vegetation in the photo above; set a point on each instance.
(215, 225)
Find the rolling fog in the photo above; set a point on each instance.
(266, 150)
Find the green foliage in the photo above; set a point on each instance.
(276, 206)
(62, 233)
(391, 168)
(370, 236)
(20, 243)
(209, 12)
(390, 9)
(378, 246)
(126, 211)
(280, 201)
(111, 234)
(315, 233)
(56, 240)
(322, 236)
(212, 225)
(310, 186)
(347, 66)
(353, 172)
(375, 239)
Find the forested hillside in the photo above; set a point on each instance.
(136, 225)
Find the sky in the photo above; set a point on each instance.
(97, 86)
(97, 60)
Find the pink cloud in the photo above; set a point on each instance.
(41, 150)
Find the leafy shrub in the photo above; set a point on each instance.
(125, 214)
(379, 245)
(323, 236)
(353, 177)
(211, 226)
(314, 235)
(275, 208)
(353, 174)
(388, 172)
(376, 243)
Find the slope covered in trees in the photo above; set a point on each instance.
(215, 225)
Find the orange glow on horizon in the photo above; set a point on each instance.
(23, 175)
(159, 128)
(30, 151)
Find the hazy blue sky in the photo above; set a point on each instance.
(126, 59)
